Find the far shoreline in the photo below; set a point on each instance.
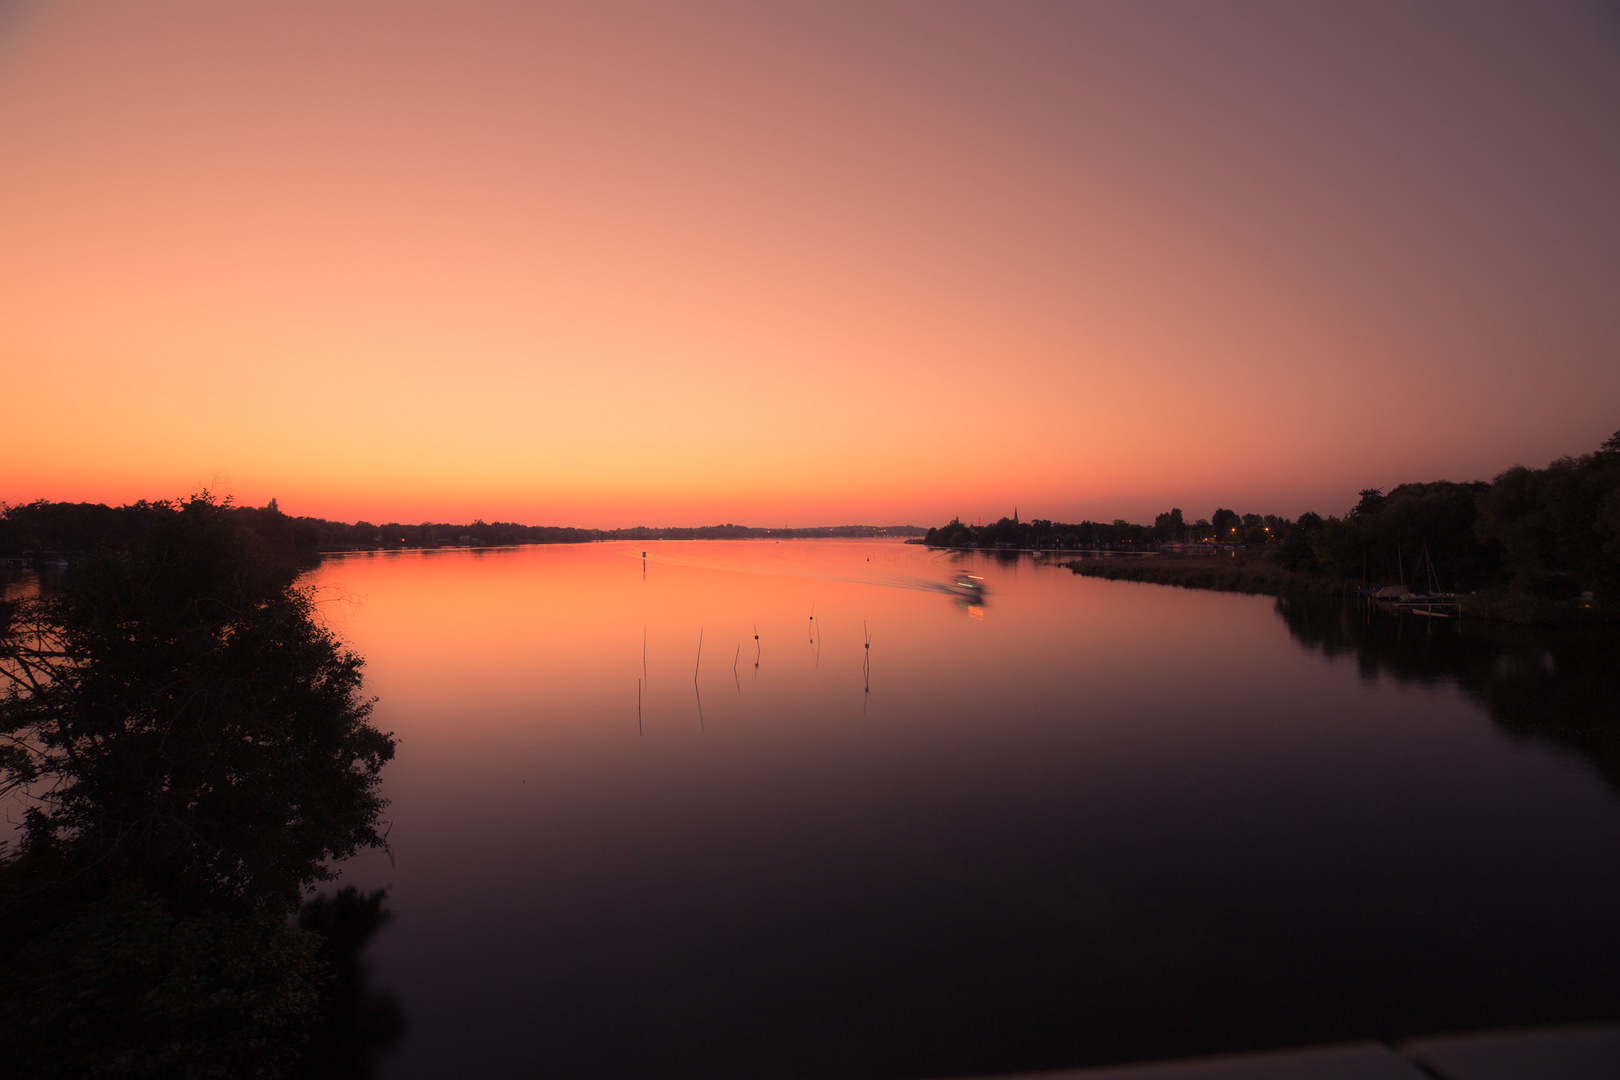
(1257, 574)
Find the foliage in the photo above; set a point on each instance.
(128, 989)
(1170, 527)
(1546, 534)
(1012, 533)
(355, 1022)
(199, 728)
(1558, 527)
(68, 526)
(1420, 533)
(1297, 550)
(194, 750)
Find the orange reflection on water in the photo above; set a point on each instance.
(505, 659)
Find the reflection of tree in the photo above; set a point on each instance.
(195, 751)
(1559, 685)
(357, 1022)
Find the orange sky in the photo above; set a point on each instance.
(606, 264)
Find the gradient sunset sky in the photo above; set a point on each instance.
(607, 264)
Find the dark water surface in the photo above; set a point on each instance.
(1085, 822)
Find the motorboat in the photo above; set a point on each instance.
(968, 587)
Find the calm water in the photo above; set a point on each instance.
(1084, 822)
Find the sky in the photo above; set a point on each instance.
(802, 263)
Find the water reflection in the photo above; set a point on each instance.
(362, 1022)
(1558, 685)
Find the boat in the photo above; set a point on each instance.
(1435, 605)
(1398, 598)
(969, 587)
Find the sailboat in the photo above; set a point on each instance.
(1433, 604)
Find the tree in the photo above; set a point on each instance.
(195, 750)
(193, 725)
(1297, 551)
(1372, 501)
(1170, 525)
(1558, 527)
(1428, 531)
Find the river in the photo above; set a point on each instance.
(1069, 822)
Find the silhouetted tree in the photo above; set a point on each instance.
(194, 720)
(1558, 527)
(1297, 551)
(356, 1022)
(1169, 526)
(1372, 501)
(195, 750)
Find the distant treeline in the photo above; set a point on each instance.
(746, 532)
(1169, 528)
(1552, 533)
(79, 528)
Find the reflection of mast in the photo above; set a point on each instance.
(866, 664)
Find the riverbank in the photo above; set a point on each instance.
(1256, 573)
(1243, 572)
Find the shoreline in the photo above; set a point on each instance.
(1258, 575)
